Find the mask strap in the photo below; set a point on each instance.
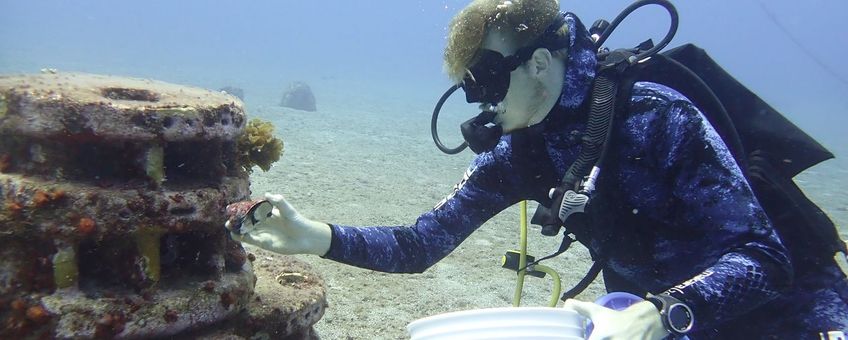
(548, 40)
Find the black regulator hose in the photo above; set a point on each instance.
(605, 90)
(434, 128)
(672, 30)
(602, 110)
(596, 129)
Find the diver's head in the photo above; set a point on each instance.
(509, 56)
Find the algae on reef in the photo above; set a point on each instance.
(258, 146)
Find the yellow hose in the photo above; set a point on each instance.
(557, 283)
(522, 261)
(522, 258)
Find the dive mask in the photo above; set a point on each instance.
(488, 79)
(487, 82)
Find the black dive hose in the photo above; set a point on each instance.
(434, 122)
(672, 30)
(602, 108)
(596, 140)
(605, 90)
(593, 128)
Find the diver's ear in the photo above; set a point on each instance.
(540, 62)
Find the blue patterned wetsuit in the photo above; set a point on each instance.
(673, 213)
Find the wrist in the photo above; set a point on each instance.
(676, 317)
(322, 236)
(647, 312)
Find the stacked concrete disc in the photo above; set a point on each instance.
(113, 193)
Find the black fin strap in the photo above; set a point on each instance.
(584, 283)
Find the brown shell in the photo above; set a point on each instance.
(236, 213)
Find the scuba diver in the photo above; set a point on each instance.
(671, 204)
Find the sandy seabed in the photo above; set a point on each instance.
(374, 163)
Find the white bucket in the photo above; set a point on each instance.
(501, 323)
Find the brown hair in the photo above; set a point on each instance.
(522, 20)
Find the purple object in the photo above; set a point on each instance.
(618, 300)
(615, 301)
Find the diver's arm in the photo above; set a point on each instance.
(483, 192)
(707, 184)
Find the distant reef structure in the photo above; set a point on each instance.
(235, 91)
(112, 196)
(299, 96)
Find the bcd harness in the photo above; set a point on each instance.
(760, 139)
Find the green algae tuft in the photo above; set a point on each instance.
(258, 146)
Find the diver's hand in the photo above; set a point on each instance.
(288, 232)
(639, 321)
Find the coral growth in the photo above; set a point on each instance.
(110, 325)
(37, 314)
(42, 198)
(86, 226)
(14, 209)
(22, 318)
(258, 146)
(171, 316)
(227, 299)
(5, 162)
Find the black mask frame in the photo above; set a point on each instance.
(487, 82)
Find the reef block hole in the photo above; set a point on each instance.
(119, 93)
(192, 163)
(116, 265)
(25, 266)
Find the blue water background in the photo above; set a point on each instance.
(386, 52)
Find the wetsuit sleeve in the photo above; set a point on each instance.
(711, 193)
(483, 192)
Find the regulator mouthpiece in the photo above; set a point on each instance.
(481, 133)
